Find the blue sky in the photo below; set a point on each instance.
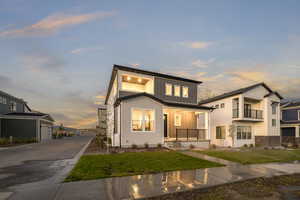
(58, 55)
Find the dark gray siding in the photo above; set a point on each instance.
(125, 93)
(4, 108)
(19, 128)
(159, 90)
(290, 115)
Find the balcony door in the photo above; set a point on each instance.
(247, 110)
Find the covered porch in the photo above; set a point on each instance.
(186, 125)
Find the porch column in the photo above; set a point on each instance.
(207, 124)
(241, 106)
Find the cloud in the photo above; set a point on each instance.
(53, 23)
(202, 63)
(196, 44)
(85, 50)
(43, 61)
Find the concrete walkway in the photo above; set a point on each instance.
(143, 186)
(209, 158)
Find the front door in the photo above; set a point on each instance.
(166, 125)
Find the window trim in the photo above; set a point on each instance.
(299, 115)
(245, 132)
(143, 125)
(166, 84)
(221, 132)
(274, 124)
(178, 86)
(185, 87)
(274, 106)
(177, 114)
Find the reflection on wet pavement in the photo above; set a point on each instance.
(142, 186)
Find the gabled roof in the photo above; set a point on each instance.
(11, 96)
(240, 91)
(167, 103)
(140, 71)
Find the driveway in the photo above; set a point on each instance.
(25, 168)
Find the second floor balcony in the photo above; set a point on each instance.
(248, 114)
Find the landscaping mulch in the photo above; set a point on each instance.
(285, 187)
(95, 148)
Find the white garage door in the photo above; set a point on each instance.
(46, 132)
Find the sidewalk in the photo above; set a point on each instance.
(143, 186)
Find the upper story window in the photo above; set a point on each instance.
(217, 106)
(298, 114)
(13, 106)
(274, 109)
(222, 105)
(142, 120)
(168, 89)
(185, 92)
(3, 100)
(177, 90)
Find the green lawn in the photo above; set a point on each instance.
(127, 164)
(255, 156)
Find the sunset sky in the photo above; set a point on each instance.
(58, 55)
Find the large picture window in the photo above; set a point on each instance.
(142, 120)
(244, 133)
(220, 132)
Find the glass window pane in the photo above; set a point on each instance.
(168, 89)
(185, 92)
(177, 90)
(177, 119)
(137, 120)
(149, 120)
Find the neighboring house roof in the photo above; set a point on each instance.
(140, 71)
(28, 108)
(31, 114)
(13, 97)
(240, 91)
(292, 104)
(290, 122)
(171, 104)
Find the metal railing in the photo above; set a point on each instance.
(253, 114)
(190, 134)
(248, 113)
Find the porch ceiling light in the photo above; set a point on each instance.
(128, 78)
(139, 80)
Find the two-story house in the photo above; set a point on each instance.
(290, 122)
(17, 120)
(154, 108)
(248, 115)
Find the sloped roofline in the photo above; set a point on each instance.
(240, 91)
(140, 71)
(167, 103)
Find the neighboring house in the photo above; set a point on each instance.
(154, 108)
(102, 120)
(249, 115)
(19, 121)
(290, 122)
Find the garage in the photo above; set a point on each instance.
(288, 135)
(46, 131)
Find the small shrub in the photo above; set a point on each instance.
(146, 145)
(251, 146)
(229, 147)
(192, 146)
(266, 148)
(212, 146)
(134, 146)
(246, 145)
(159, 145)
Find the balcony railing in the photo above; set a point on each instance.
(190, 134)
(248, 113)
(253, 114)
